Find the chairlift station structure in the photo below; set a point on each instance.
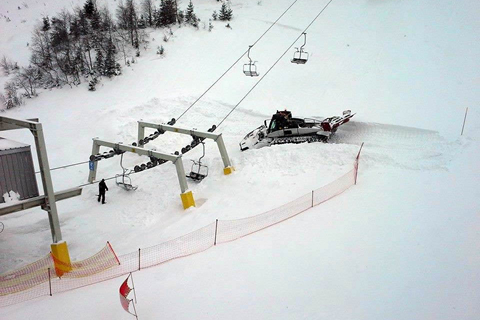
(186, 195)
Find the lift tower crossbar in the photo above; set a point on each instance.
(186, 195)
(207, 135)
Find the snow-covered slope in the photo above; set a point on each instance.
(401, 244)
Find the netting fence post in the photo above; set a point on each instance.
(139, 259)
(216, 228)
(464, 119)
(49, 282)
(110, 246)
(312, 198)
(357, 160)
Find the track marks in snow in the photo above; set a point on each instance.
(281, 25)
(399, 146)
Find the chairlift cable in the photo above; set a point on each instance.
(286, 51)
(230, 68)
(95, 182)
(66, 166)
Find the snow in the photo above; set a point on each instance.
(6, 144)
(401, 244)
(11, 196)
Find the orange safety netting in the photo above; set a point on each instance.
(106, 265)
(26, 277)
(37, 273)
(99, 262)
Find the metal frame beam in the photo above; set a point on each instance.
(12, 124)
(177, 160)
(38, 201)
(50, 205)
(208, 135)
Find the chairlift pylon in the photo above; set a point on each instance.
(300, 56)
(250, 69)
(123, 180)
(199, 171)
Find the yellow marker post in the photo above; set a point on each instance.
(228, 170)
(187, 200)
(61, 258)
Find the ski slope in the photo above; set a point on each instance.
(402, 244)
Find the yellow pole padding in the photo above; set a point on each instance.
(228, 170)
(61, 258)
(187, 200)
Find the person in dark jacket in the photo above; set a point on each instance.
(102, 187)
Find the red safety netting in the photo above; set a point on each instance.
(106, 265)
(334, 188)
(194, 242)
(102, 260)
(229, 230)
(36, 280)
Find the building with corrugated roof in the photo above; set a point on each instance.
(17, 173)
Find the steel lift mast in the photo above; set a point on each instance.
(48, 200)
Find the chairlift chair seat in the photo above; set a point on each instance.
(299, 61)
(300, 57)
(124, 181)
(250, 70)
(198, 171)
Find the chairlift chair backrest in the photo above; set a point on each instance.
(123, 180)
(250, 69)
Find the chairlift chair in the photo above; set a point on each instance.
(123, 180)
(250, 69)
(199, 171)
(300, 56)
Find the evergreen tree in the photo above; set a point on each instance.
(89, 8)
(190, 15)
(95, 20)
(92, 84)
(168, 13)
(156, 18)
(46, 24)
(180, 17)
(110, 68)
(225, 12)
(160, 50)
(99, 62)
(75, 31)
(78, 60)
(118, 69)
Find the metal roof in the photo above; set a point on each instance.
(6, 144)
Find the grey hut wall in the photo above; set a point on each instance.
(17, 173)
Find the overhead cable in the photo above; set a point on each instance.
(236, 61)
(286, 51)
